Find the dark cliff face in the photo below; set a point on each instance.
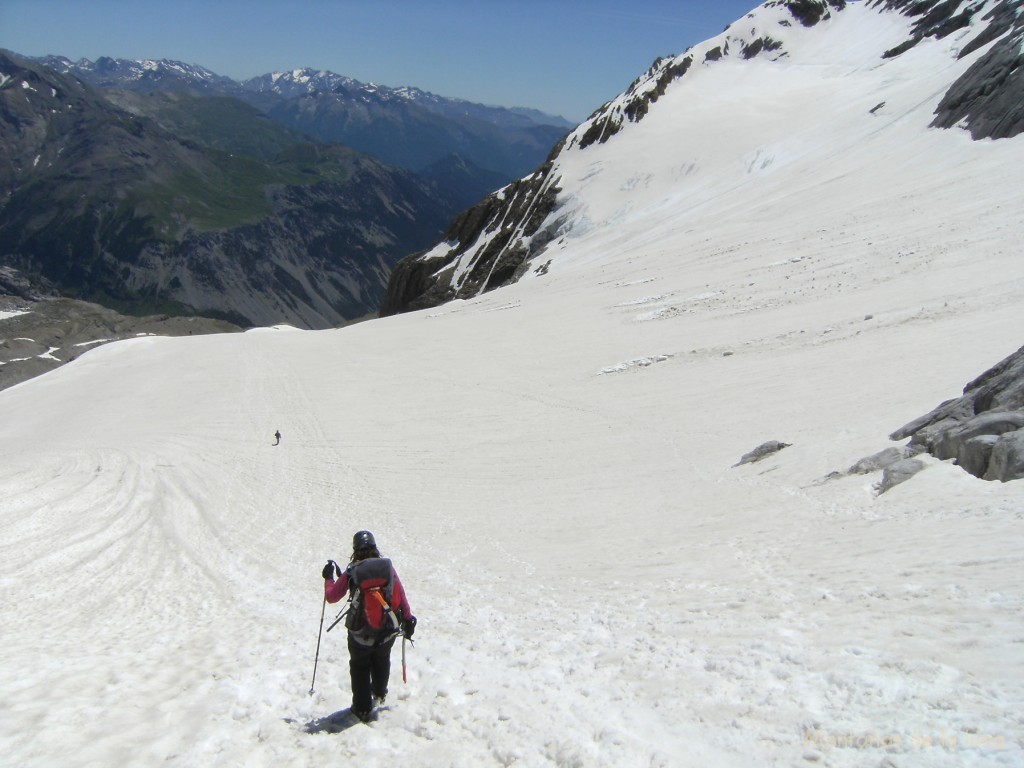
(499, 235)
(152, 210)
(810, 12)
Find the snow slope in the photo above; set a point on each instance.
(551, 467)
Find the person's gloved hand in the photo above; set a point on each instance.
(409, 626)
(330, 570)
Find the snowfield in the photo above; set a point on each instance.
(553, 469)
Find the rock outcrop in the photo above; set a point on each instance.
(983, 431)
(487, 246)
(989, 97)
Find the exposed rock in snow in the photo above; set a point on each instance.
(897, 473)
(763, 450)
(984, 429)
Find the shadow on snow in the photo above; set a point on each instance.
(337, 722)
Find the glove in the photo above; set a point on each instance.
(330, 570)
(409, 626)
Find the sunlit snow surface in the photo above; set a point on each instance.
(596, 582)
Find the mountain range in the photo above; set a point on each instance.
(161, 187)
(402, 126)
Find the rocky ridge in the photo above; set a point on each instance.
(497, 242)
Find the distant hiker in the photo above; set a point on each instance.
(277, 437)
(378, 614)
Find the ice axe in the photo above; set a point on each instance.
(387, 608)
(404, 638)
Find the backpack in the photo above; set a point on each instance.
(371, 585)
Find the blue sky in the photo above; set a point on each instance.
(562, 56)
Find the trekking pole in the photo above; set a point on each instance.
(339, 617)
(317, 659)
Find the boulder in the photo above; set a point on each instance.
(898, 473)
(877, 461)
(1007, 458)
(763, 450)
(974, 453)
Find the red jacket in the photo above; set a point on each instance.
(335, 590)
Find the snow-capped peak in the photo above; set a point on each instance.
(787, 86)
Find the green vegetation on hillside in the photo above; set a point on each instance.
(234, 189)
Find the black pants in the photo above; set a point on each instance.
(370, 667)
